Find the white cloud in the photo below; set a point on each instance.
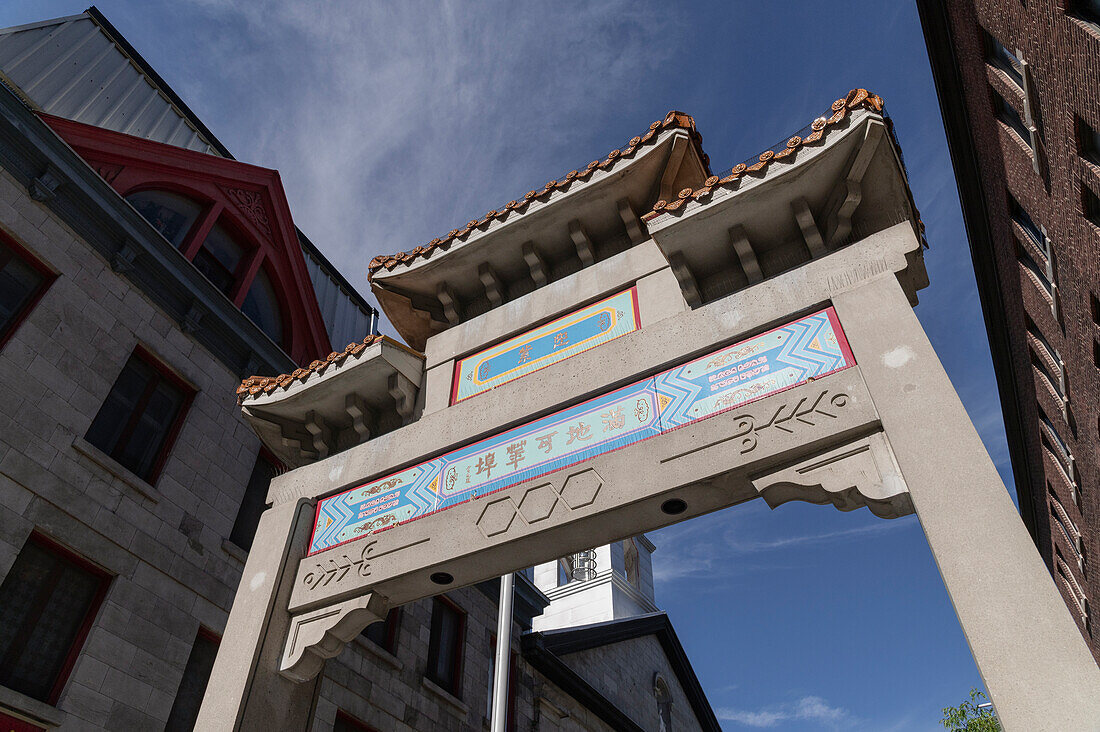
(392, 123)
(707, 546)
(807, 709)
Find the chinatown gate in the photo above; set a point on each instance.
(637, 343)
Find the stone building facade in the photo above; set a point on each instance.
(143, 273)
(1019, 91)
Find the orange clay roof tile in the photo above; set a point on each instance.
(672, 120)
(254, 385)
(855, 99)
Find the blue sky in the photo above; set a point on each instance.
(393, 123)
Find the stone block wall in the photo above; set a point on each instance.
(165, 544)
(624, 672)
(162, 543)
(1062, 50)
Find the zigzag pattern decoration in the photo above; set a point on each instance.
(730, 377)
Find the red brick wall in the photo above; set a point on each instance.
(1064, 57)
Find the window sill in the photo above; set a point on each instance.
(380, 653)
(1086, 25)
(447, 697)
(115, 468)
(234, 551)
(32, 710)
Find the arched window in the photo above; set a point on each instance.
(169, 213)
(262, 306)
(664, 703)
(219, 258)
(223, 256)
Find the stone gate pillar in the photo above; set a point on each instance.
(245, 691)
(1028, 650)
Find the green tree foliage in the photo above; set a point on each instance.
(969, 717)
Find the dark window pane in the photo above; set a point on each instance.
(20, 283)
(253, 503)
(1020, 216)
(262, 306)
(344, 723)
(384, 632)
(1092, 205)
(136, 419)
(185, 710)
(1090, 141)
(445, 647)
(1088, 10)
(219, 258)
(1008, 114)
(221, 277)
(1003, 59)
(47, 597)
(170, 214)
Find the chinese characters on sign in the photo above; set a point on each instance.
(537, 348)
(730, 377)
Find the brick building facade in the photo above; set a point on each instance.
(143, 273)
(1019, 88)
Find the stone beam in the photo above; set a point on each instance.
(403, 392)
(585, 251)
(742, 247)
(494, 288)
(631, 222)
(606, 277)
(536, 264)
(810, 233)
(449, 301)
(688, 285)
(362, 416)
(702, 467)
(688, 333)
(320, 434)
(849, 193)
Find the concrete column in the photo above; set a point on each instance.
(1031, 656)
(437, 387)
(659, 296)
(245, 691)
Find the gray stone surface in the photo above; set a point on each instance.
(1039, 673)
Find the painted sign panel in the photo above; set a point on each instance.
(549, 343)
(727, 378)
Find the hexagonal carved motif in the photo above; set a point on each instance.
(580, 489)
(497, 517)
(538, 502)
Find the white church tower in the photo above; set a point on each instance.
(610, 582)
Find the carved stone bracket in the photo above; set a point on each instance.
(123, 258)
(861, 473)
(44, 187)
(319, 635)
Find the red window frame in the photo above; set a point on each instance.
(209, 636)
(393, 627)
(280, 468)
(460, 643)
(52, 547)
(189, 391)
(34, 263)
(254, 252)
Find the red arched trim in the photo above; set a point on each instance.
(248, 199)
